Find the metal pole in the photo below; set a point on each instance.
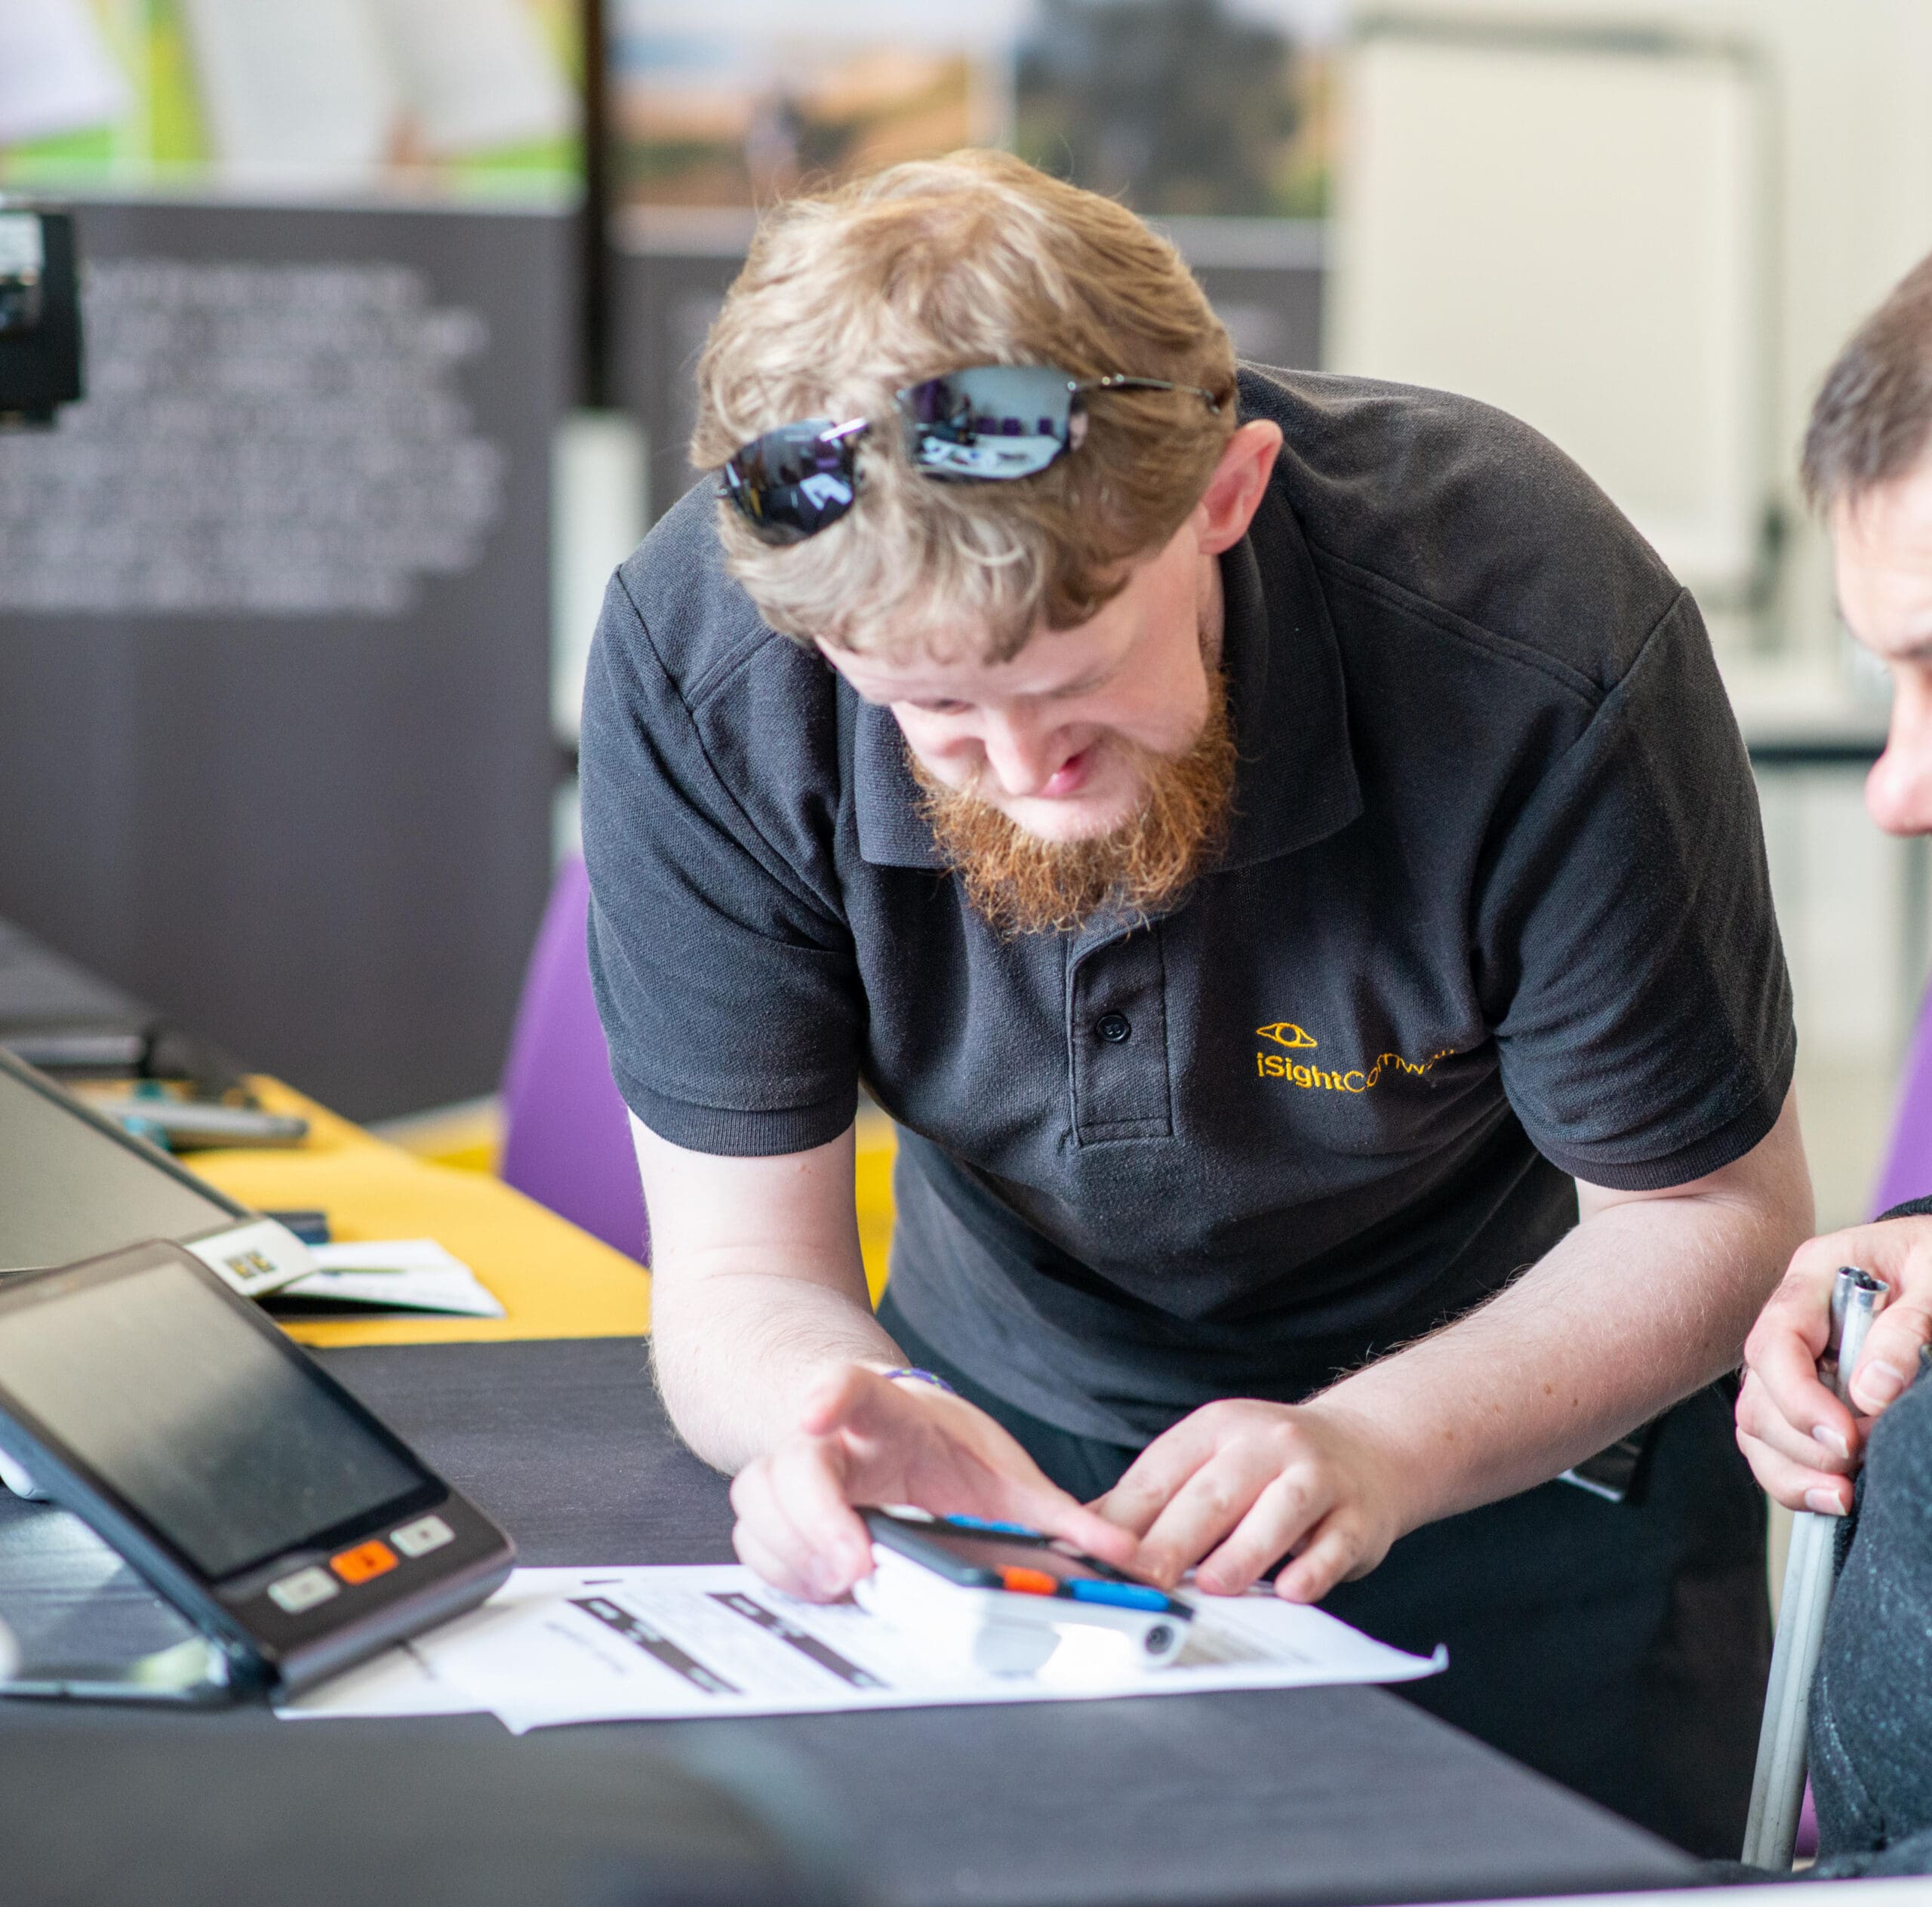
(593, 252)
(1777, 1788)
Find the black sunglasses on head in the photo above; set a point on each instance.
(989, 424)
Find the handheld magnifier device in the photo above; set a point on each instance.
(74, 1183)
(285, 1520)
(1007, 1599)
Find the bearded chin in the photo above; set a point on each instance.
(1020, 885)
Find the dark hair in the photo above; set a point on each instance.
(1873, 416)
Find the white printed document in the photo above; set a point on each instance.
(559, 1646)
(390, 1275)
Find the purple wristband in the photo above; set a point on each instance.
(931, 1377)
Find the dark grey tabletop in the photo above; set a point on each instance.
(1316, 1795)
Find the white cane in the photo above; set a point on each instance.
(1777, 1788)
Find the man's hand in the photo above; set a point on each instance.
(1239, 1484)
(864, 1438)
(1802, 1443)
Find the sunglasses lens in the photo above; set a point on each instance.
(990, 424)
(791, 484)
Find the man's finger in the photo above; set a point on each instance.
(767, 1497)
(808, 1488)
(763, 1530)
(1046, 1507)
(1280, 1517)
(1782, 1357)
(760, 1510)
(1792, 1484)
(1203, 1513)
(1156, 1476)
(768, 1565)
(1334, 1551)
(1758, 1417)
(1890, 1358)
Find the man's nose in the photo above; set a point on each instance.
(1898, 791)
(1024, 753)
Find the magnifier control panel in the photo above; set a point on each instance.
(307, 1592)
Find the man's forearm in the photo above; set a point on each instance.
(735, 1354)
(1643, 1303)
(758, 1289)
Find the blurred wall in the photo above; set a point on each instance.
(1850, 190)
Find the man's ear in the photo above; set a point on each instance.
(1235, 490)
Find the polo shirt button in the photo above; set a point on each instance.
(1113, 1027)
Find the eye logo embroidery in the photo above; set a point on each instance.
(1285, 1032)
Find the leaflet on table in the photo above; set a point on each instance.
(389, 1275)
(591, 1645)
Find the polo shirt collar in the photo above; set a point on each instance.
(1296, 783)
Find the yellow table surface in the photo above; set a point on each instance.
(553, 1280)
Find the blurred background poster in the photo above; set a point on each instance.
(733, 108)
(292, 96)
(1196, 107)
(1213, 117)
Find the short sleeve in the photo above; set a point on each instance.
(724, 975)
(1627, 950)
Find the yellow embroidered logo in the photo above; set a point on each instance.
(1357, 1079)
(1285, 1032)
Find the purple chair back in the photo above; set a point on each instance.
(566, 1138)
(1908, 1173)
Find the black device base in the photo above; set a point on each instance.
(283, 1520)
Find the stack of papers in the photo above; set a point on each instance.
(554, 1646)
(388, 1274)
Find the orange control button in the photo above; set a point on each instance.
(365, 1560)
(1030, 1582)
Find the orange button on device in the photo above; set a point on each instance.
(1030, 1582)
(365, 1560)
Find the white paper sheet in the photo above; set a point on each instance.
(55, 73)
(397, 1682)
(602, 1645)
(400, 1682)
(399, 1274)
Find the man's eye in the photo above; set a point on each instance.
(940, 708)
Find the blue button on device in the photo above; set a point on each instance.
(1121, 1595)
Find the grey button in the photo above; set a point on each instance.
(1113, 1027)
(419, 1538)
(303, 1590)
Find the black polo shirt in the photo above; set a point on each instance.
(1493, 912)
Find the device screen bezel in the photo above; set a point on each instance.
(73, 1107)
(37, 1439)
(947, 1549)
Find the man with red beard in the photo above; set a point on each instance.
(1278, 847)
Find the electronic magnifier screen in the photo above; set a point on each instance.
(69, 1190)
(198, 1422)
